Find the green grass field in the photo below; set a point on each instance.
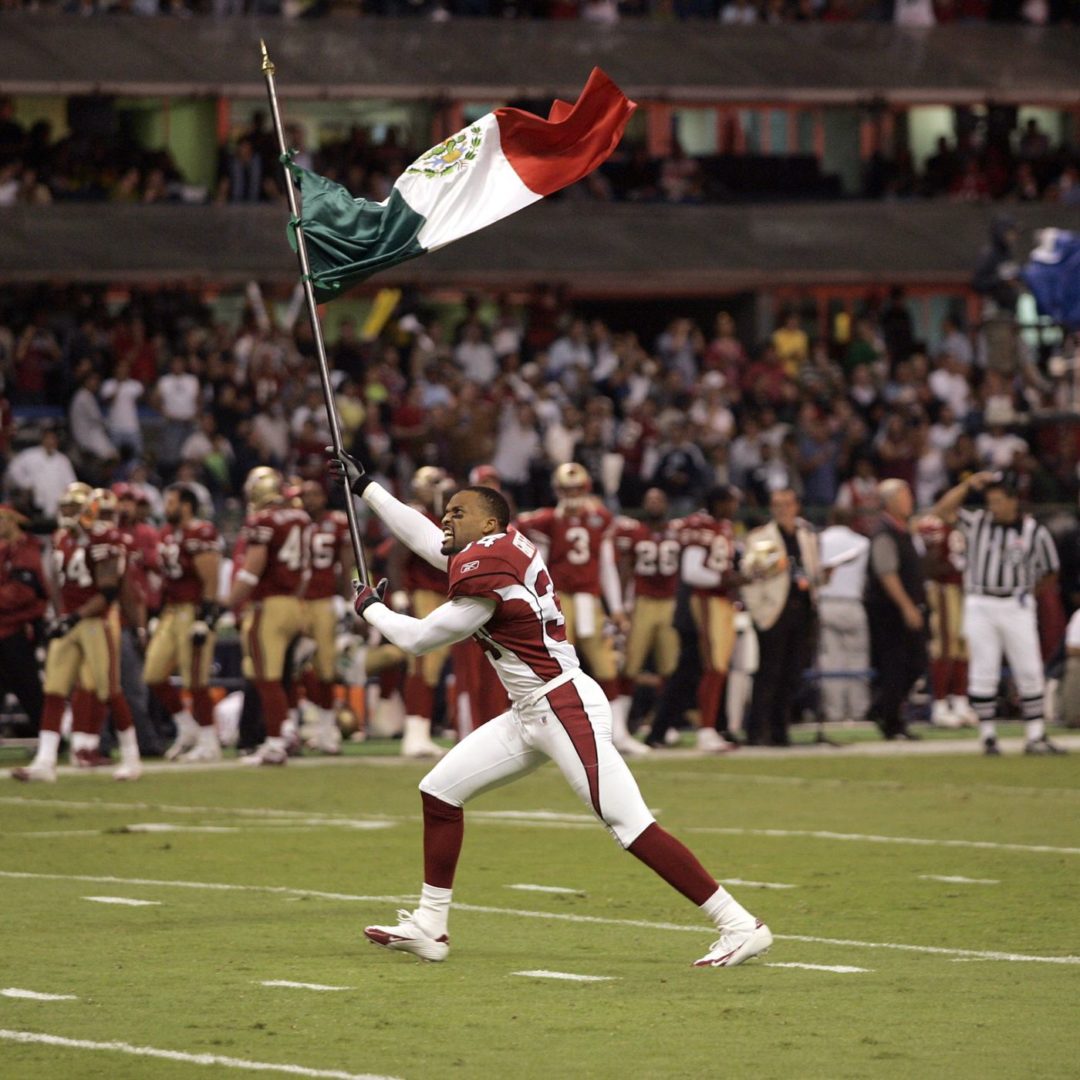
(270, 875)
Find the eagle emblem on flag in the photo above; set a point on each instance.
(450, 157)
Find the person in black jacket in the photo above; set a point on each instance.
(22, 606)
(896, 609)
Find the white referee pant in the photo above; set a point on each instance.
(568, 721)
(999, 627)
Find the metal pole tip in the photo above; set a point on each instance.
(267, 66)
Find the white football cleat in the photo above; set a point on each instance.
(265, 755)
(711, 741)
(132, 770)
(942, 715)
(205, 751)
(628, 746)
(417, 741)
(35, 771)
(408, 937)
(187, 738)
(737, 946)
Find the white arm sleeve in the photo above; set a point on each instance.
(451, 622)
(410, 526)
(694, 570)
(610, 585)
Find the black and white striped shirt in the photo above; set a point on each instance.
(1005, 560)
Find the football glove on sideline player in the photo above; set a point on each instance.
(366, 595)
(203, 626)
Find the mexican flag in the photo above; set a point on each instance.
(496, 166)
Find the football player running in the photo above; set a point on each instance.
(89, 567)
(501, 594)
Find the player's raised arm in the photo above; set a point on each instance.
(414, 530)
(447, 624)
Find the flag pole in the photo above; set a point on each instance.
(313, 311)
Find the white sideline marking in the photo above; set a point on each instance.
(123, 900)
(594, 920)
(840, 969)
(179, 1055)
(301, 986)
(954, 879)
(568, 976)
(530, 815)
(756, 884)
(870, 838)
(33, 995)
(163, 827)
(544, 888)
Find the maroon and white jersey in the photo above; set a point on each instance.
(178, 546)
(717, 539)
(75, 556)
(573, 539)
(283, 531)
(525, 638)
(326, 538)
(654, 551)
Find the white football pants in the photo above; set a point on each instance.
(572, 727)
(1004, 626)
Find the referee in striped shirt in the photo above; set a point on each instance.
(1009, 555)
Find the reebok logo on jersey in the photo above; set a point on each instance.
(470, 566)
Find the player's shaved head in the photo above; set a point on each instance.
(494, 503)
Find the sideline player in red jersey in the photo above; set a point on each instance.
(331, 568)
(649, 551)
(189, 551)
(501, 593)
(89, 567)
(275, 568)
(708, 565)
(944, 568)
(576, 539)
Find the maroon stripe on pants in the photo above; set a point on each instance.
(568, 707)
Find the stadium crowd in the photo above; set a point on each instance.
(37, 169)
(692, 428)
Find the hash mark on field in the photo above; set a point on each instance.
(125, 900)
(840, 969)
(953, 879)
(180, 1055)
(870, 838)
(34, 995)
(545, 888)
(289, 985)
(565, 975)
(756, 884)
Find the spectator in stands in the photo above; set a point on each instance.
(121, 394)
(177, 399)
(87, 425)
(997, 447)
(792, 344)
(682, 471)
(41, 474)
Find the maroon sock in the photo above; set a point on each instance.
(52, 712)
(710, 695)
(419, 697)
(84, 711)
(958, 681)
(610, 688)
(939, 678)
(675, 863)
(121, 712)
(444, 829)
(169, 697)
(274, 706)
(202, 708)
(323, 695)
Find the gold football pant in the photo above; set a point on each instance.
(171, 649)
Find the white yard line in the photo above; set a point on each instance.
(216, 1060)
(565, 975)
(840, 969)
(289, 985)
(871, 838)
(126, 901)
(544, 888)
(594, 920)
(954, 879)
(756, 884)
(34, 995)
